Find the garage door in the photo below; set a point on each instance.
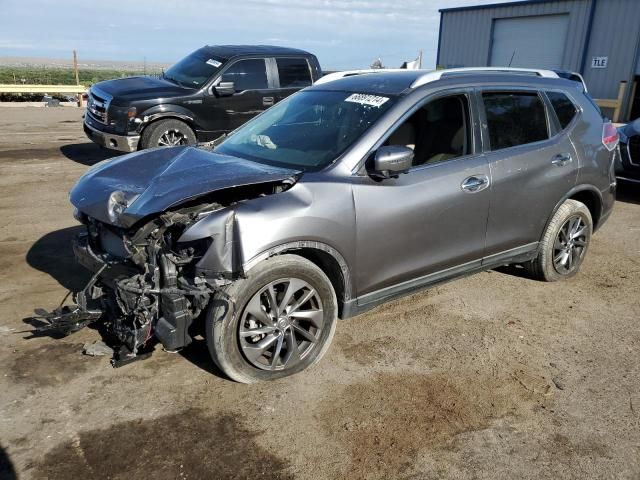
(530, 42)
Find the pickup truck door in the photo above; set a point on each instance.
(254, 94)
(431, 222)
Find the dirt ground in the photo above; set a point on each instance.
(489, 377)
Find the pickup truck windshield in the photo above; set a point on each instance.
(308, 130)
(193, 70)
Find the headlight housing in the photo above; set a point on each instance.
(116, 205)
(78, 215)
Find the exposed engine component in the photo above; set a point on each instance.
(147, 285)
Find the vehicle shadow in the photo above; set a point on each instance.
(628, 192)
(7, 471)
(514, 270)
(88, 153)
(198, 354)
(52, 254)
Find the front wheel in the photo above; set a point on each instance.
(167, 133)
(281, 321)
(564, 243)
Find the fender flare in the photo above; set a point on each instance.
(159, 112)
(576, 189)
(307, 244)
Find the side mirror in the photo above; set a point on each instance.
(392, 160)
(224, 89)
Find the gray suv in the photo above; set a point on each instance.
(341, 197)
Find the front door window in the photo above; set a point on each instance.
(250, 74)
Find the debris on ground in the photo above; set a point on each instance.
(97, 349)
(6, 330)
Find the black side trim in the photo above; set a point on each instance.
(366, 302)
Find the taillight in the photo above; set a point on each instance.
(610, 136)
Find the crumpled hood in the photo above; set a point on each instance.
(125, 90)
(157, 179)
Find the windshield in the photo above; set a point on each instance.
(194, 70)
(308, 130)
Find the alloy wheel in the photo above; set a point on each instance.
(570, 245)
(281, 324)
(171, 138)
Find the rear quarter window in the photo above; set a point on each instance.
(515, 118)
(293, 72)
(564, 108)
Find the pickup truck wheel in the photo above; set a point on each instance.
(281, 320)
(167, 133)
(564, 243)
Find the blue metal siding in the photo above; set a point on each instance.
(466, 34)
(466, 37)
(616, 27)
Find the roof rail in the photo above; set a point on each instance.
(574, 76)
(348, 73)
(438, 74)
(433, 75)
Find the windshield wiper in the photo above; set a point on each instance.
(173, 80)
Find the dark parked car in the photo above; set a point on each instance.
(628, 168)
(343, 196)
(205, 95)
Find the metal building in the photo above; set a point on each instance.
(598, 38)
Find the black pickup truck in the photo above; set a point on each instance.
(205, 95)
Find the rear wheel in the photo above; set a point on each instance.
(564, 244)
(167, 133)
(283, 322)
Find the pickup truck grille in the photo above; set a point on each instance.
(98, 105)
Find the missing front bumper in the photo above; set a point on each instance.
(153, 299)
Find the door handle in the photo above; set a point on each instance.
(267, 101)
(475, 183)
(561, 159)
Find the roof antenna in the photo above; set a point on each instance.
(512, 55)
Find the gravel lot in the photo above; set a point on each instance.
(492, 376)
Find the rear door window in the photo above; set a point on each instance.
(564, 108)
(294, 72)
(515, 118)
(250, 74)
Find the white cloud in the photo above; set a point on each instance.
(343, 33)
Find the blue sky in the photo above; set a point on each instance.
(342, 33)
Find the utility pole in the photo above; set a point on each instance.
(145, 65)
(75, 67)
(420, 59)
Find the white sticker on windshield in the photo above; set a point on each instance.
(364, 99)
(213, 62)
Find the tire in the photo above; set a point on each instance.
(559, 255)
(167, 133)
(229, 323)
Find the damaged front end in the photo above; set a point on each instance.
(148, 285)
